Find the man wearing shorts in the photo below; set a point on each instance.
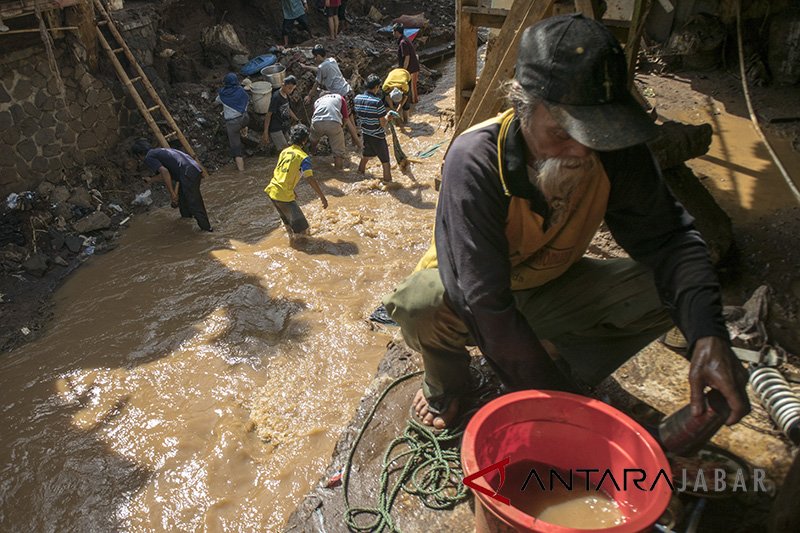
(329, 77)
(407, 58)
(293, 163)
(280, 115)
(332, 12)
(330, 111)
(294, 12)
(372, 116)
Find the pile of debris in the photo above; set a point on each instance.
(61, 222)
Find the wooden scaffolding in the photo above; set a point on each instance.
(479, 98)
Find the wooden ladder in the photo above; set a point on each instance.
(174, 132)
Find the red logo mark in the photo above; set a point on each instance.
(468, 481)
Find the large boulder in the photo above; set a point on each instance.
(93, 222)
(221, 41)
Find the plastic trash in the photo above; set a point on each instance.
(12, 201)
(143, 198)
(89, 250)
(22, 200)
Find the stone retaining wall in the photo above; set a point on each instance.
(41, 136)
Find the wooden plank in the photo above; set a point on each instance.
(466, 54)
(478, 10)
(486, 99)
(486, 17)
(640, 10)
(19, 8)
(487, 21)
(586, 7)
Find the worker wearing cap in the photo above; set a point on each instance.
(407, 58)
(396, 88)
(522, 196)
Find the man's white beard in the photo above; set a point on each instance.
(557, 177)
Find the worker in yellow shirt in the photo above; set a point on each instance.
(396, 88)
(293, 162)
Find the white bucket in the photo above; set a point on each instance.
(262, 94)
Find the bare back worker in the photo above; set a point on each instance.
(522, 195)
(181, 175)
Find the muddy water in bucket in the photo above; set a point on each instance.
(564, 433)
(558, 498)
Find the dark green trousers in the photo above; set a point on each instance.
(598, 314)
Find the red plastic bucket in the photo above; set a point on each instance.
(567, 432)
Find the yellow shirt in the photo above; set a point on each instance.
(293, 162)
(398, 78)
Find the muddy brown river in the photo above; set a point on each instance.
(199, 382)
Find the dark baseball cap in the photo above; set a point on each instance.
(372, 81)
(578, 69)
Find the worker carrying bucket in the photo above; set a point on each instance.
(522, 195)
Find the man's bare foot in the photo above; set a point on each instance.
(430, 419)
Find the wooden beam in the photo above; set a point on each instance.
(19, 8)
(55, 31)
(486, 17)
(640, 10)
(586, 7)
(486, 99)
(466, 53)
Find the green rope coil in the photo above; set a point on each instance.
(429, 466)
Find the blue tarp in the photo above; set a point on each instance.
(255, 65)
(408, 32)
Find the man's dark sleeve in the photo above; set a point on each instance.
(152, 162)
(655, 229)
(472, 252)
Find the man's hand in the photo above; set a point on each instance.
(174, 199)
(324, 202)
(307, 99)
(148, 180)
(715, 366)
